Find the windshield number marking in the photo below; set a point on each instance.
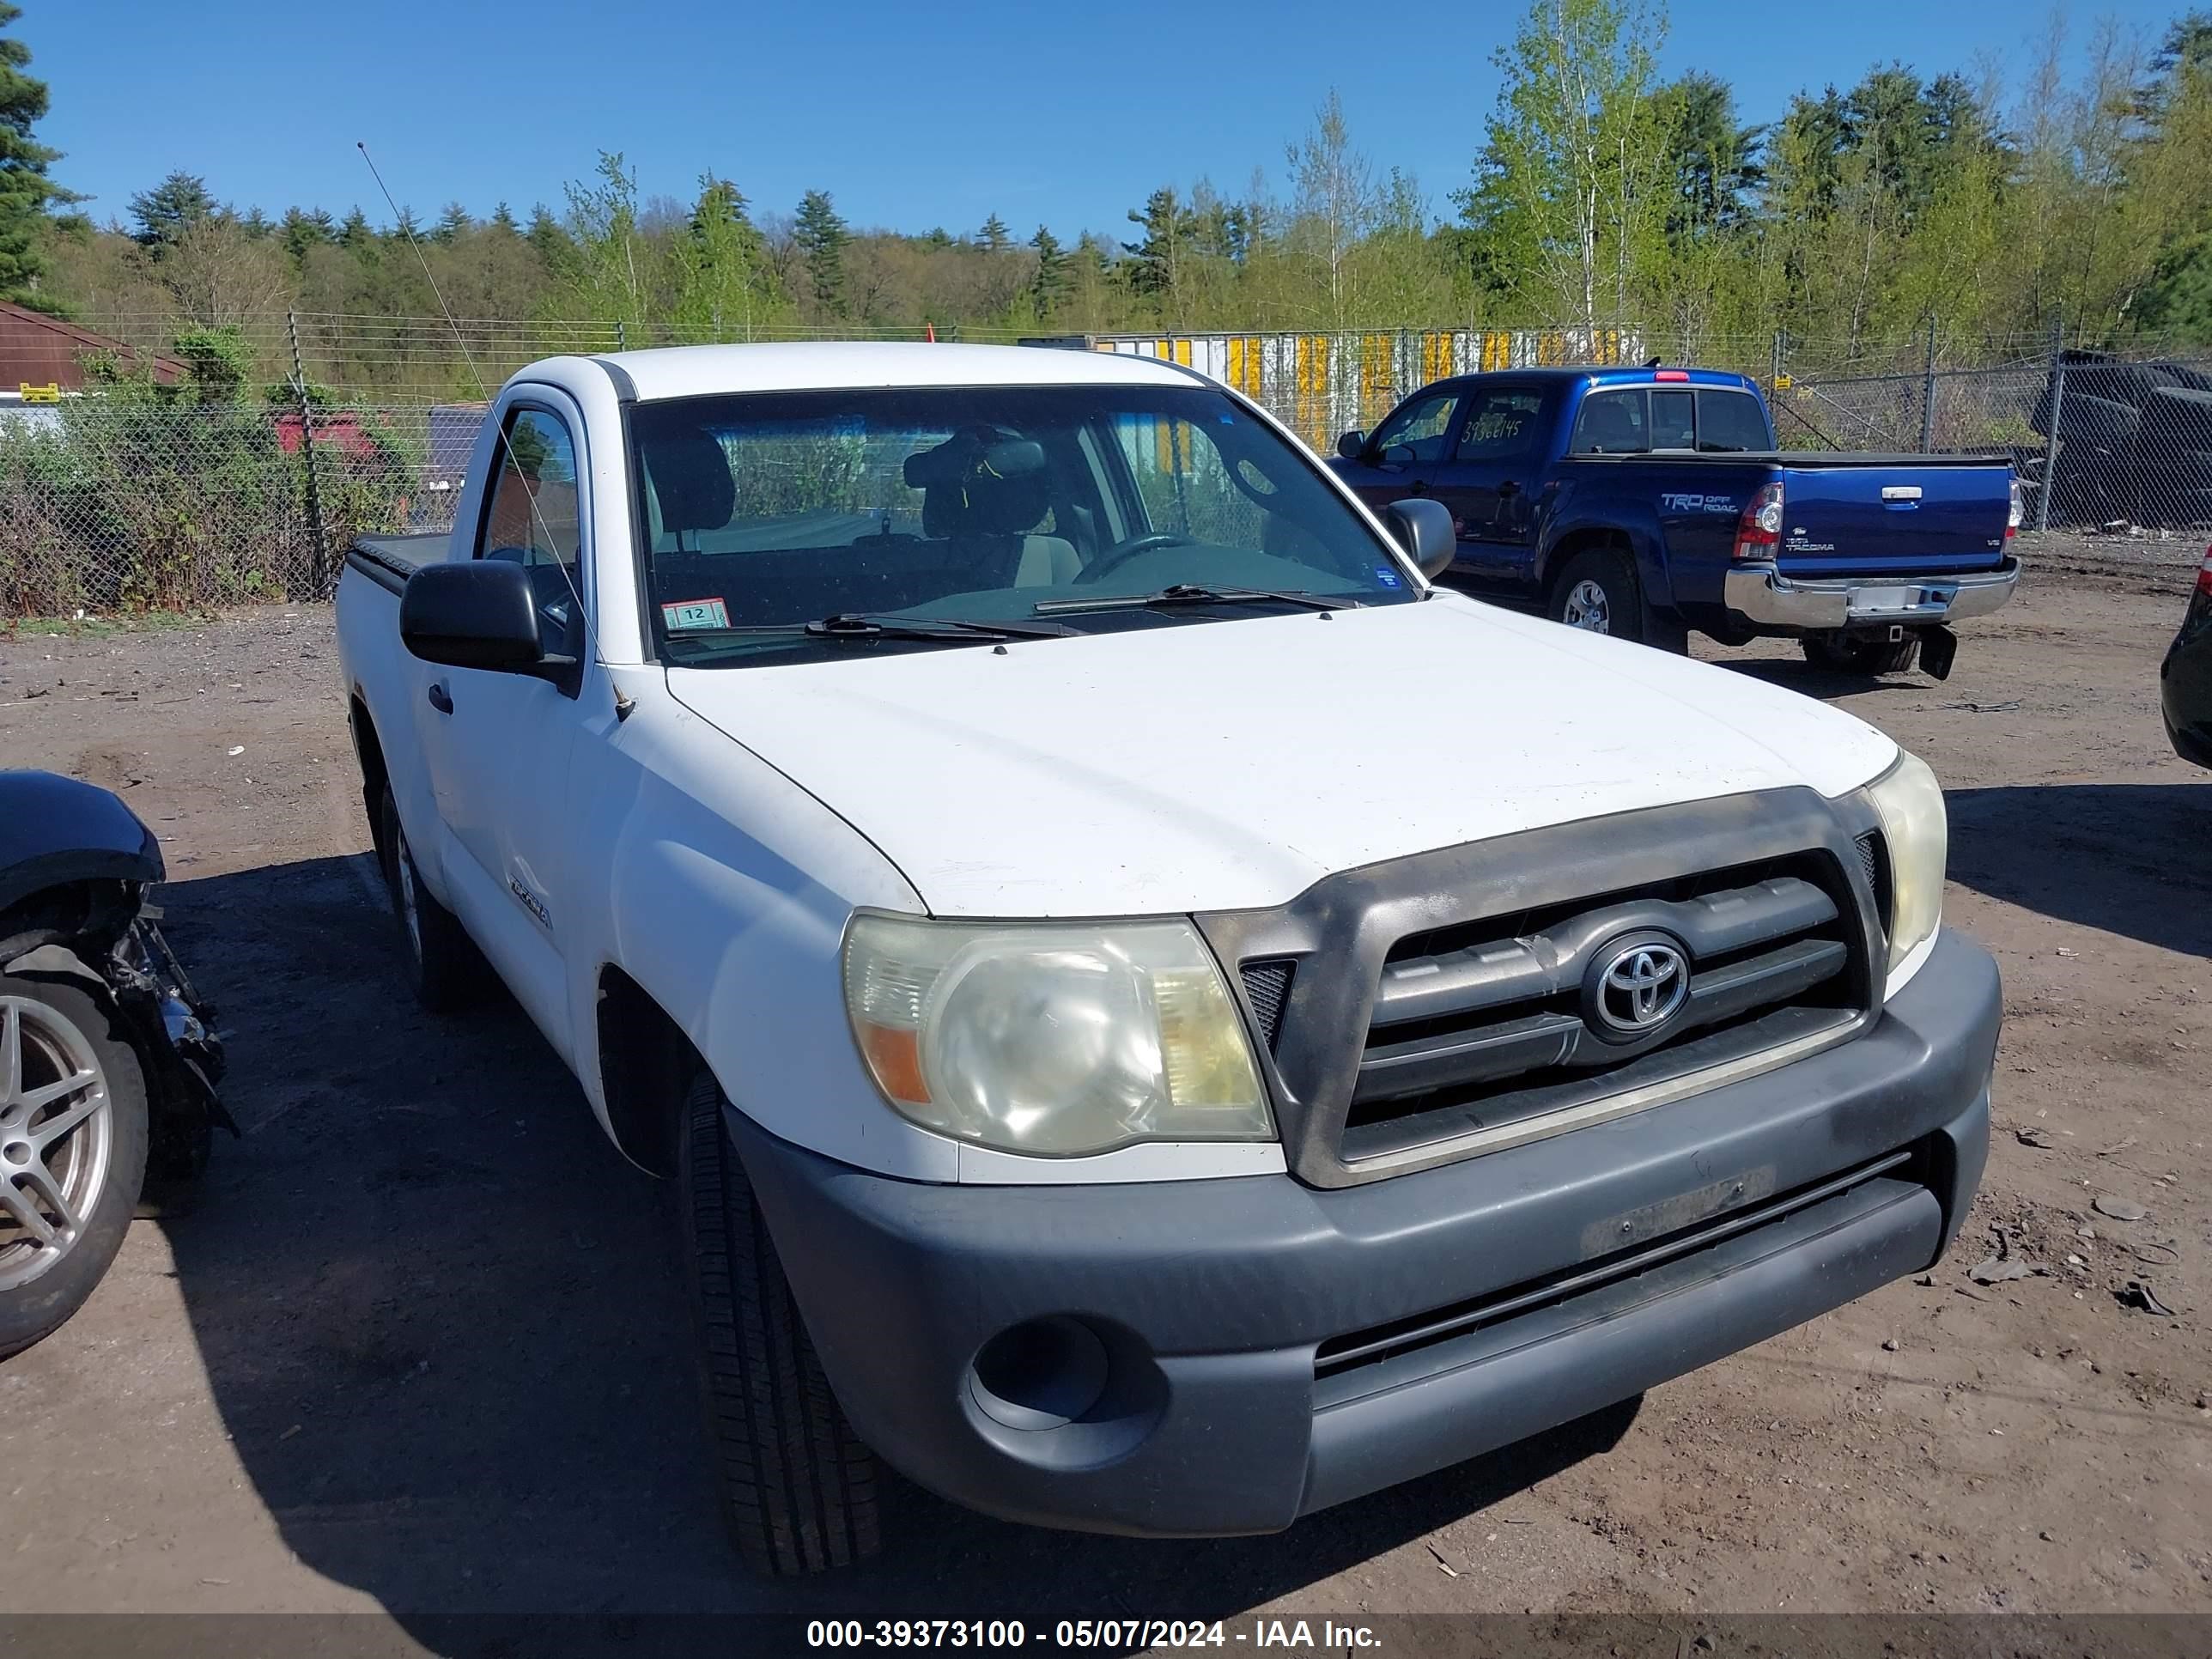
(696, 613)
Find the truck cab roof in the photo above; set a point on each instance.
(1637, 375)
(835, 365)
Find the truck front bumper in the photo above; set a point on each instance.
(1761, 594)
(1218, 1357)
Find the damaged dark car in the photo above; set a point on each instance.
(108, 1059)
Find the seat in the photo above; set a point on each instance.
(991, 485)
(1609, 429)
(689, 489)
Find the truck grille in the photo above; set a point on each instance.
(1514, 1016)
(1464, 1001)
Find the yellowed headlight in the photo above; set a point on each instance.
(1914, 824)
(1060, 1039)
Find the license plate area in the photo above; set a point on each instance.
(1882, 601)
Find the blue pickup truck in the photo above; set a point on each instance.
(1646, 502)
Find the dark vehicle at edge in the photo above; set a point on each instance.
(2184, 677)
(108, 1058)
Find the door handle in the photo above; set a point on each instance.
(1508, 486)
(441, 699)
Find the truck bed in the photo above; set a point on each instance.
(389, 561)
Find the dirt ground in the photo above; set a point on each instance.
(419, 1348)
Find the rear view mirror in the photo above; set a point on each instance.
(1423, 528)
(1352, 444)
(479, 614)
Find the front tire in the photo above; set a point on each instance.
(1599, 593)
(73, 1133)
(443, 966)
(800, 1491)
(1861, 654)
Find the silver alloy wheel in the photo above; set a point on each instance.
(55, 1134)
(1585, 608)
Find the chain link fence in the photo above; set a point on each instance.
(120, 501)
(113, 505)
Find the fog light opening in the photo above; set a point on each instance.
(1040, 1374)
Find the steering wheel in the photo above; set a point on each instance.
(1121, 552)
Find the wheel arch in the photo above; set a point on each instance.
(1582, 538)
(645, 1062)
(375, 773)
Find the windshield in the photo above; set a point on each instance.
(766, 512)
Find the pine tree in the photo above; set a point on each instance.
(1049, 287)
(170, 208)
(822, 235)
(26, 191)
(502, 219)
(354, 232)
(1156, 265)
(993, 238)
(452, 225)
(546, 235)
(299, 231)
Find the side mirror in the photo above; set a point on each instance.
(1423, 529)
(1352, 444)
(483, 614)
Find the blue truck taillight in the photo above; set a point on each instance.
(1759, 532)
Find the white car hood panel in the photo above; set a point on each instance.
(1231, 764)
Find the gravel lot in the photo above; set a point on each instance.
(420, 1349)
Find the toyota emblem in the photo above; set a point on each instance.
(1640, 986)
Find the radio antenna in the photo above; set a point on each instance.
(501, 445)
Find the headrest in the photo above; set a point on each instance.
(989, 451)
(691, 481)
(984, 481)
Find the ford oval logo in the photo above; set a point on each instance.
(1639, 988)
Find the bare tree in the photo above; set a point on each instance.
(1332, 205)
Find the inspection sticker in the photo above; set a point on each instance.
(695, 613)
(1387, 576)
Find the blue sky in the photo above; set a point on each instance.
(911, 115)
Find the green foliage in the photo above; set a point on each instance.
(1048, 284)
(2178, 303)
(1573, 181)
(221, 362)
(820, 236)
(164, 214)
(26, 194)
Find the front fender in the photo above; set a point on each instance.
(54, 830)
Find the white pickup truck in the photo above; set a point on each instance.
(1163, 1020)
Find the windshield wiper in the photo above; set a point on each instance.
(855, 625)
(1191, 593)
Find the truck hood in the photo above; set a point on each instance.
(1230, 764)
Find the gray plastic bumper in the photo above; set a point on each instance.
(1762, 594)
(1227, 1317)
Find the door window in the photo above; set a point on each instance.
(533, 519)
(1732, 420)
(1420, 424)
(1499, 425)
(1612, 423)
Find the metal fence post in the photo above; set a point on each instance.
(1774, 367)
(2051, 432)
(1928, 395)
(318, 571)
(622, 338)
